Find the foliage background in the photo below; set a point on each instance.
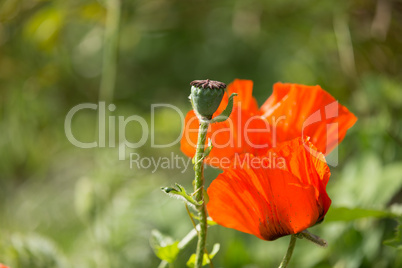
(62, 206)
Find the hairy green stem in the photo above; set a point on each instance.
(109, 65)
(199, 192)
(289, 253)
(313, 238)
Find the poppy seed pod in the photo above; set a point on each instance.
(206, 96)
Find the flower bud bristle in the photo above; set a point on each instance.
(208, 84)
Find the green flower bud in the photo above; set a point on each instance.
(206, 96)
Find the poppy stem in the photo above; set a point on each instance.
(199, 192)
(289, 253)
(110, 50)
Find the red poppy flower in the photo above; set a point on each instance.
(3, 266)
(291, 111)
(280, 193)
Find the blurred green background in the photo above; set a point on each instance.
(63, 206)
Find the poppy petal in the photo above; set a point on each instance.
(296, 110)
(270, 202)
(189, 138)
(223, 136)
(305, 162)
(244, 98)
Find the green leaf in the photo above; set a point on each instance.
(211, 222)
(208, 149)
(205, 260)
(206, 196)
(396, 242)
(350, 214)
(169, 252)
(165, 247)
(44, 26)
(181, 193)
(226, 113)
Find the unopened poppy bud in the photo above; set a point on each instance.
(206, 96)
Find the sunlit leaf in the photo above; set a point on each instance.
(168, 253)
(44, 27)
(211, 222)
(165, 247)
(206, 259)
